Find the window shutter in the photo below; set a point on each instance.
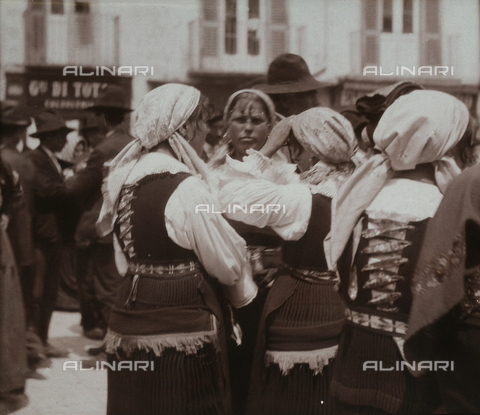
(35, 36)
(371, 49)
(210, 40)
(371, 25)
(278, 11)
(83, 29)
(278, 29)
(431, 52)
(278, 42)
(210, 10)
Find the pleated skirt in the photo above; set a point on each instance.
(183, 376)
(361, 391)
(287, 386)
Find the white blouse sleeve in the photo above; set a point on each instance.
(285, 208)
(219, 248)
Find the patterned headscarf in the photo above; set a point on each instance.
(329, 137)
(159, 116)
(417, 128)
(326, 134)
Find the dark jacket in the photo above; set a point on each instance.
(55, 212)
(86, 185)
(19, 228)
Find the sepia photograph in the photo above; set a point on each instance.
(239, 207)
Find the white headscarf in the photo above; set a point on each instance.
(328, 136)
(264, 97)
(417, 128)
(159, 116)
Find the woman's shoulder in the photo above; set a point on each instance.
(405, 200)
(155, 163)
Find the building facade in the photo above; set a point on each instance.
(354, 46)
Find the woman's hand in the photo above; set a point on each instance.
(278, 137)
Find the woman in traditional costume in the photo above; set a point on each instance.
(379, 220)
(168, 311)
(303, 314)
(249, 117)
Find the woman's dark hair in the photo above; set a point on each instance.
(202, 113)
(294, 147)
(464, 148)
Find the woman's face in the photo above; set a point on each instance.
(248, 126)
(79, 150)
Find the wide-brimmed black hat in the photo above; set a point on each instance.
(289, 73)
(92, 122)
(49, 121)
(12, 115)
(112, 97)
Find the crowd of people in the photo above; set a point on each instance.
(277, 258)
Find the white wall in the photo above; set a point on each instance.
(12, 38)
(344, 21)
(312, 14)
(460, 18)
(154, 33)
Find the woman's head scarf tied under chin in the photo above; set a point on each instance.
(158, 118)
(417, 128)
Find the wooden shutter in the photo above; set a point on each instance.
(431, 49)
(35, 36)
(278, 28)
(370, 47)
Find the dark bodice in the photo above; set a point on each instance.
(256, 236)
(140, 226)
(308, 251)
(379, 280)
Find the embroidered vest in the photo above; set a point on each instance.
(379, 281)
(140, 226)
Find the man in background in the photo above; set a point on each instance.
(54, 217)
(290, 85)
(98, 276)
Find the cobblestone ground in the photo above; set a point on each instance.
(70, 391)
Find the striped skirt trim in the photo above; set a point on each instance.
(316, 359)
(189, 343)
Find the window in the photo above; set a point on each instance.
(36, 4)
(210, 10)
(56, 7)
(370, 12)
(387, 16)
(432, 42)
(407, 16)
(432, 14)
(83, 23)
(82, 7)
(253, 9)
(253, 43)
(371, 17)
(231, 27)
(279, 11)
(38, 38)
